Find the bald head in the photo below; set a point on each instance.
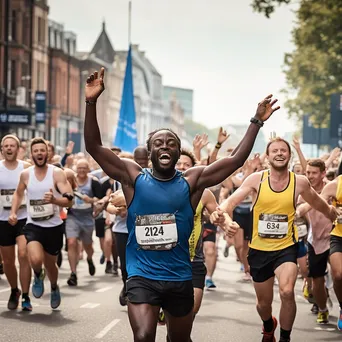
(140, 156)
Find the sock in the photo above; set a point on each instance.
(340, 305)
(285, 333)
(37, 274)
(15, 289)
(268, 325)
(25, 295)
(207, 278)
(324, 310)
(108, 262)
(53, 287)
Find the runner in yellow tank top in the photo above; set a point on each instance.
(333, 191)
(273, 248)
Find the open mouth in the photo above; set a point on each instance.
(164, 158)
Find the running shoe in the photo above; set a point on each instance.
(123, 297)
(323, 317)
(72, 281)
(282, 339)
(339, 321)
(269, 336)
(109, 268)
(55, 298)
(226, 251)
(307, 295)
(1, 268)
(26, 304)
(91, 267)
(102, 259)
(314, 309)
(13, 301)
(209, 284)
(115, 269)
(38, 284)
(161, 318)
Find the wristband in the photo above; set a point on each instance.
(257, 121)
(218, 145)
(89, 103)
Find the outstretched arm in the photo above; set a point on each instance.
(124, 171)
(223, 168)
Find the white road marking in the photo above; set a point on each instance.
(104, 289)
(107, 328)
(325, 329)
(5, 290)
(89, 305)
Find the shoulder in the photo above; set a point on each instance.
(194, 171)
(26, 164)
(301, 181)
(58, 173)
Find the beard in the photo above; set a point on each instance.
(36, 162)
(279, 167)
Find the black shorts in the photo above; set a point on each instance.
(100, 227)
(209, 232)
(50, 238)
(263, 264)
(175, 297)
(9, 234)
(199, 272)
(317, 262)
(245, 222)
(335, 244)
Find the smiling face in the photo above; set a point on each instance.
(279, 155)
(39, 152)
(10, 149)
(165, 151)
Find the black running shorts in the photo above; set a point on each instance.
(335, 244)
(50, 238)
(317, 262)
(9, 233)
(263, 264)
(199, 272)
(175, 297)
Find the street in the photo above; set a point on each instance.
(91, 312)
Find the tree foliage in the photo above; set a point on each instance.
(314, 69)
(267, 7)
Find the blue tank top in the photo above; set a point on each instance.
(160, 221)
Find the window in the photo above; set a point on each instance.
(41, 31)
(12, 34)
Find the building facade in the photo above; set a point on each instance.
(64, 121)
(175, 115)
(184, 97)
(16, 65)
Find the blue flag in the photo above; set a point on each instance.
(126, 132)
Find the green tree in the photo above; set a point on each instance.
(314, 69)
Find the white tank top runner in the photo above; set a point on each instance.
(9, 180)
(39, 213)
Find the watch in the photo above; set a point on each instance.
(257, 121)
(89, 103)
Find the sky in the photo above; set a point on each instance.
(229, 55)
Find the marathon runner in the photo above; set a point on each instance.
(161, 205)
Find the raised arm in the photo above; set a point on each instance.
(302, 160)
(221, 169)
(221, 138)
(124, 171)
(250, 184)
(314, 200)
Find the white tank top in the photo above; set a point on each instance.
(9, 180)
(39, 213)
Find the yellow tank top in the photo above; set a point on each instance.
(273, 216)
(337, 231)
(196, 231)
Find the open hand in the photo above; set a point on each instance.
(265, 110)
(222, 136)
(94, 86)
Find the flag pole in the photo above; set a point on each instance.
(129, 21)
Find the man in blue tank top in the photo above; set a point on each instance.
(161, 204)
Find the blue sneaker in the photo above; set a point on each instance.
(55, 299)
(38, 284)
(209, 284)
(339, 321)
(26, 304)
